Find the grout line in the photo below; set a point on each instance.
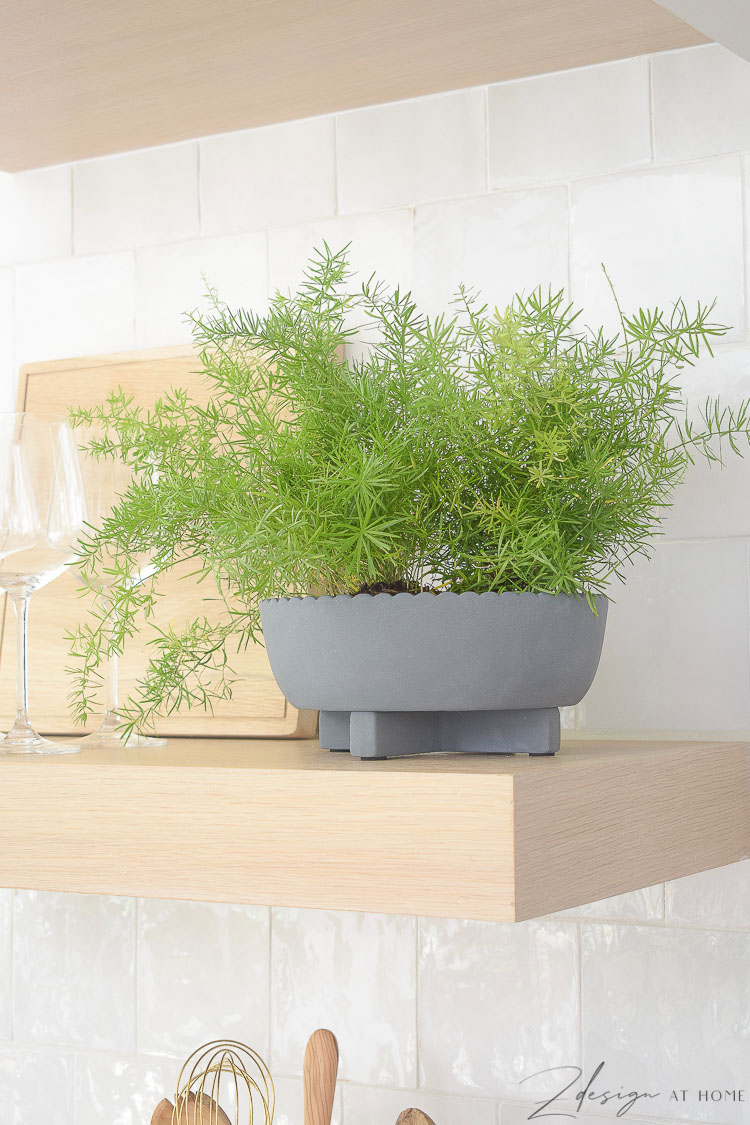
(745, 220)
(747, 578)
(334, 121)
(579, 929)
(136, 973)
(72, 211)
(201, 233)
(417, 1021)
(74, 1100)
(336, 168)
(269, 1037)
(487, 176)
(651, 128)
(12, 966)
(569, 236)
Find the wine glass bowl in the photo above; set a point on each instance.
(42, 516)
(106, 477)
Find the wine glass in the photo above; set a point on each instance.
(42, 514)
(105, 478)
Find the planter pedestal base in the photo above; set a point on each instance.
(396, 734)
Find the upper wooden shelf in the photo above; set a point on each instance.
(286, 823)
(81, 79)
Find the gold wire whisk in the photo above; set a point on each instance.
(202, 1074)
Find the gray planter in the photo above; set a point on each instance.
(414, 673)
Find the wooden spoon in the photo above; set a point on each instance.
(414, 1117)
(198, 1112)
(321, 1064)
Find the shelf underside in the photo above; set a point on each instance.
(286, 823)
(89, 79)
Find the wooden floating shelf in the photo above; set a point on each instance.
(286, 823)
(80, 79)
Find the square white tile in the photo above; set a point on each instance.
(8, 374)
(6, 965)
(498, 1004)
(688, 609)
(36, 215)
(701, 98)
(666, 1010)
(122, 1089)
(497, 244)
(136, 199)
(712, 898)
(664, 233)
(646, 905)
(74, 970)
(571, 124)
(172, 281)
(381, 244)
(411, 151)
(712, 502)
(276, 176)
(36, 1086)
(352, 973)
(367, 1105)
(79, 306)
(202, 975)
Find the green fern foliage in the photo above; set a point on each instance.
(485, 450)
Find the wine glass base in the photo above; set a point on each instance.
(113, 740)
(32, 743)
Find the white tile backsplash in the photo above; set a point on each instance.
(496, 244)
(498, 1003)
(701, 100)
(662, 234)
(646, 905)
(718, 898)
(569, 125)
(688, 609)
(668, 1009)
(382, 243)
(74, 970)
(368, 1105)
(94, 1023)
(122, 1089)
(7, 332)
(36, 1086)
(202, 975)
(139, 198)
(174, 280)
(354, 973)
(6, 962)
(35, 215)
(427, 148)
(268, 177)
(77, 306)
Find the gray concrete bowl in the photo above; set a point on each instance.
(422, 652)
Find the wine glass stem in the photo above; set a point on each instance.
(21, 610)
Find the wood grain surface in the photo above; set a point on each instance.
(257, 706)
(320, 1066)
(414, 1117)
(82, 78)
(286, 823)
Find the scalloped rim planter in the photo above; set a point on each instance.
(416, 673)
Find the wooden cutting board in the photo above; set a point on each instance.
(257, 708)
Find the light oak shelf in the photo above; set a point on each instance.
(81, 79)
(284, 822)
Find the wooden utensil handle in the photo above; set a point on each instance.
(320, 1067)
